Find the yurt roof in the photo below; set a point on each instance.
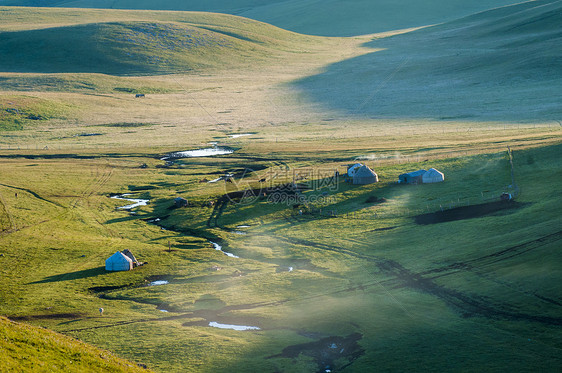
(119, 257)
(353, 168)
(416, 173)
(364, 171)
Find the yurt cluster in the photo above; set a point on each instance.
(361, 174)
(358, 174)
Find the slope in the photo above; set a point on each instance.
(180, 42)
(327, 18)
(29, 348)
(496, 65)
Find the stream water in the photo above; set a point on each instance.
(219, 248)
(206, 152)
(215, 324)
(137, 202)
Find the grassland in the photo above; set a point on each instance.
(28, 348)
(333, 18)
(349, 280)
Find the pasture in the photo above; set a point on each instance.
(336, 276)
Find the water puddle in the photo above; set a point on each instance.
(215, 324)
(226, 176)
(137, 202)
(242, 226)
(219, 248)
(240, 233)
(235, 136)
(206, 152)
(159, 282)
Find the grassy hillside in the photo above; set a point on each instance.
(28, 348)
(474, 68)
(340, 277)
(66, 56)
(330, 18)
(190, 42)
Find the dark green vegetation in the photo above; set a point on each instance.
(28, 348)
(331, 18)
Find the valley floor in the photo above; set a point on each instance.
(252, 274)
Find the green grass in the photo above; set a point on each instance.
(472, 295)
(126, 49)
(17, 112)
(340, 283)
(28, 348)
(138, 42)
(83, 83)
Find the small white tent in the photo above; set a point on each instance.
(118, 262)
(433, 176)
(353, 169)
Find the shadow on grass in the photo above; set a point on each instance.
(92, 272)
(121, 220)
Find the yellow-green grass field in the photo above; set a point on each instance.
(28, 348)
(340, 277)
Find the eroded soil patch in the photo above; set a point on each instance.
(467, 212)
(330, 353)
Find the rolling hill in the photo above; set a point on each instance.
(119, 43)
(503, 64)
(327, 18)
(29, 348)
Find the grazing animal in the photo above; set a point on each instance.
(101, 311)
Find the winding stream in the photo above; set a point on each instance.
(137, 202)
(219, 248)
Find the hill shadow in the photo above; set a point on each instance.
(86, 273)
(504, 64)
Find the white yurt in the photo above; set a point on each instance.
(353, 169)
(365, 175)
(433, 176)
(414, 177)
(118, 262)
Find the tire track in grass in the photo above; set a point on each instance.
(4, 207)
(466, 305)
(477, 265)
(34, 194)
(98, 183)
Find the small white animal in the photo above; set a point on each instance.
(101, 311)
